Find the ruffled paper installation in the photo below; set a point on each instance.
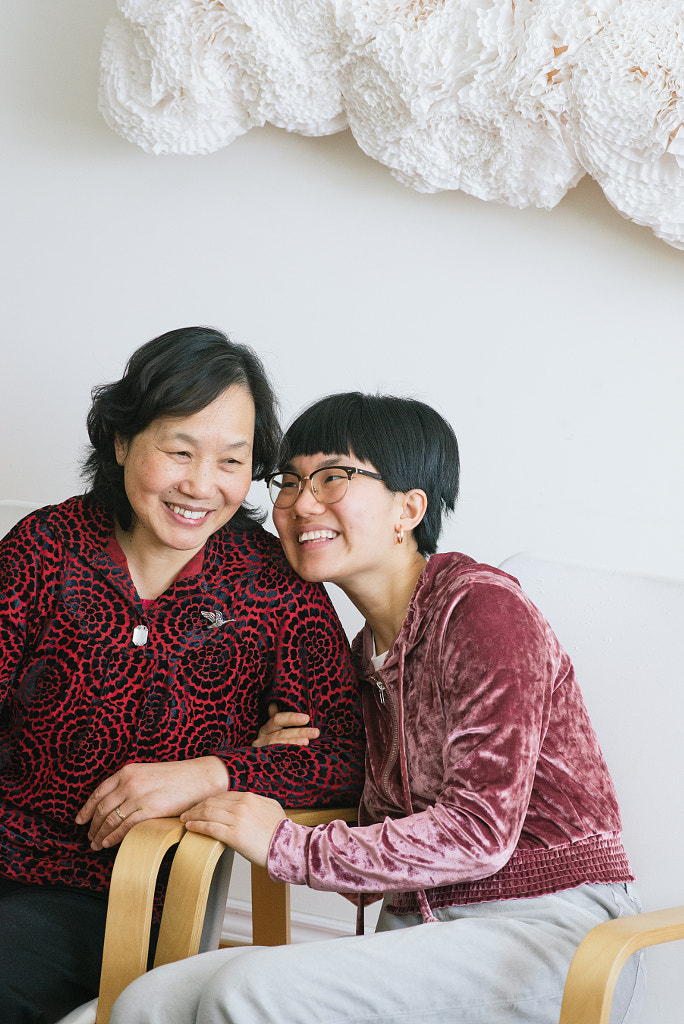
(508, 100)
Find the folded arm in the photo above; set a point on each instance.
(313, 678)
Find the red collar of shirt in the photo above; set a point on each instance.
(192, 568)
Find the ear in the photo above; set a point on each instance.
(120, 449)
(414, 507)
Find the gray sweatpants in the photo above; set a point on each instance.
(490, 963)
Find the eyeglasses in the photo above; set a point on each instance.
(328, 485)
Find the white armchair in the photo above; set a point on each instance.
(624, 634)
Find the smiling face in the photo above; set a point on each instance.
(349, 543)
(185, 477)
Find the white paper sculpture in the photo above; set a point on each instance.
(510, 100)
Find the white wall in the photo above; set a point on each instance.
(551, 340)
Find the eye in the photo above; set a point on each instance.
(286, 482)
(333, 475)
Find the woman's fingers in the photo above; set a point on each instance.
(96, 801)
(113, 817)
(115, 825)
(147, 790)
(285, 727)
(297, 736)
(244, 821)
(109, 818)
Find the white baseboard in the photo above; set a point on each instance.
(237, 925)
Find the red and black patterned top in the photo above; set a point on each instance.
(78, 699)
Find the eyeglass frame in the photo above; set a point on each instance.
(351, 472)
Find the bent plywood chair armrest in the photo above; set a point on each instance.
(129, 912)
(270, 899)
(192, 873)
(601, 956)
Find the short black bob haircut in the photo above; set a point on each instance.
(177, 374)
(408, 442)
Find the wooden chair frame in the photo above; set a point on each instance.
(603, 953)
(131, 899)
(271, 924)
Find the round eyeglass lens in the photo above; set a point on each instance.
(284, 489)
(330, 485)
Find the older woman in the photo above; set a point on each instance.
(144, 628)
(488, 817)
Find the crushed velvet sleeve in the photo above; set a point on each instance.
(488, 670)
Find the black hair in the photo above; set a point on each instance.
(410, 444)
(177, 374)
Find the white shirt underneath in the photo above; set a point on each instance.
(378, 659)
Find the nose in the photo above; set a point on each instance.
(307, 503)
(199, 480)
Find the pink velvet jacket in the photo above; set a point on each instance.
(484, 777)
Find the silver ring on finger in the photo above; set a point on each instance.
(117, 810)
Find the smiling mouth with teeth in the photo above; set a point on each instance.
(316, 535)
(187, 513)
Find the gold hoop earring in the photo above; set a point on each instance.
(399, 534)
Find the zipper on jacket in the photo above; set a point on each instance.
(389, 764)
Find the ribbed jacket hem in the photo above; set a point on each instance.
(532, 873)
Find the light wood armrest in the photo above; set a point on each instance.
(131, 898)
(323, 815)
(129, 913)
(601, 956)
(270, 899)
(186, 900)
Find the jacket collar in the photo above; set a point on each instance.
(442, 576)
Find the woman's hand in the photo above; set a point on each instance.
(285, 727)
(148, 790)
(244, 821)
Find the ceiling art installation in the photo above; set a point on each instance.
(507, 100)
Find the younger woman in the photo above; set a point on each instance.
(488, 818)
